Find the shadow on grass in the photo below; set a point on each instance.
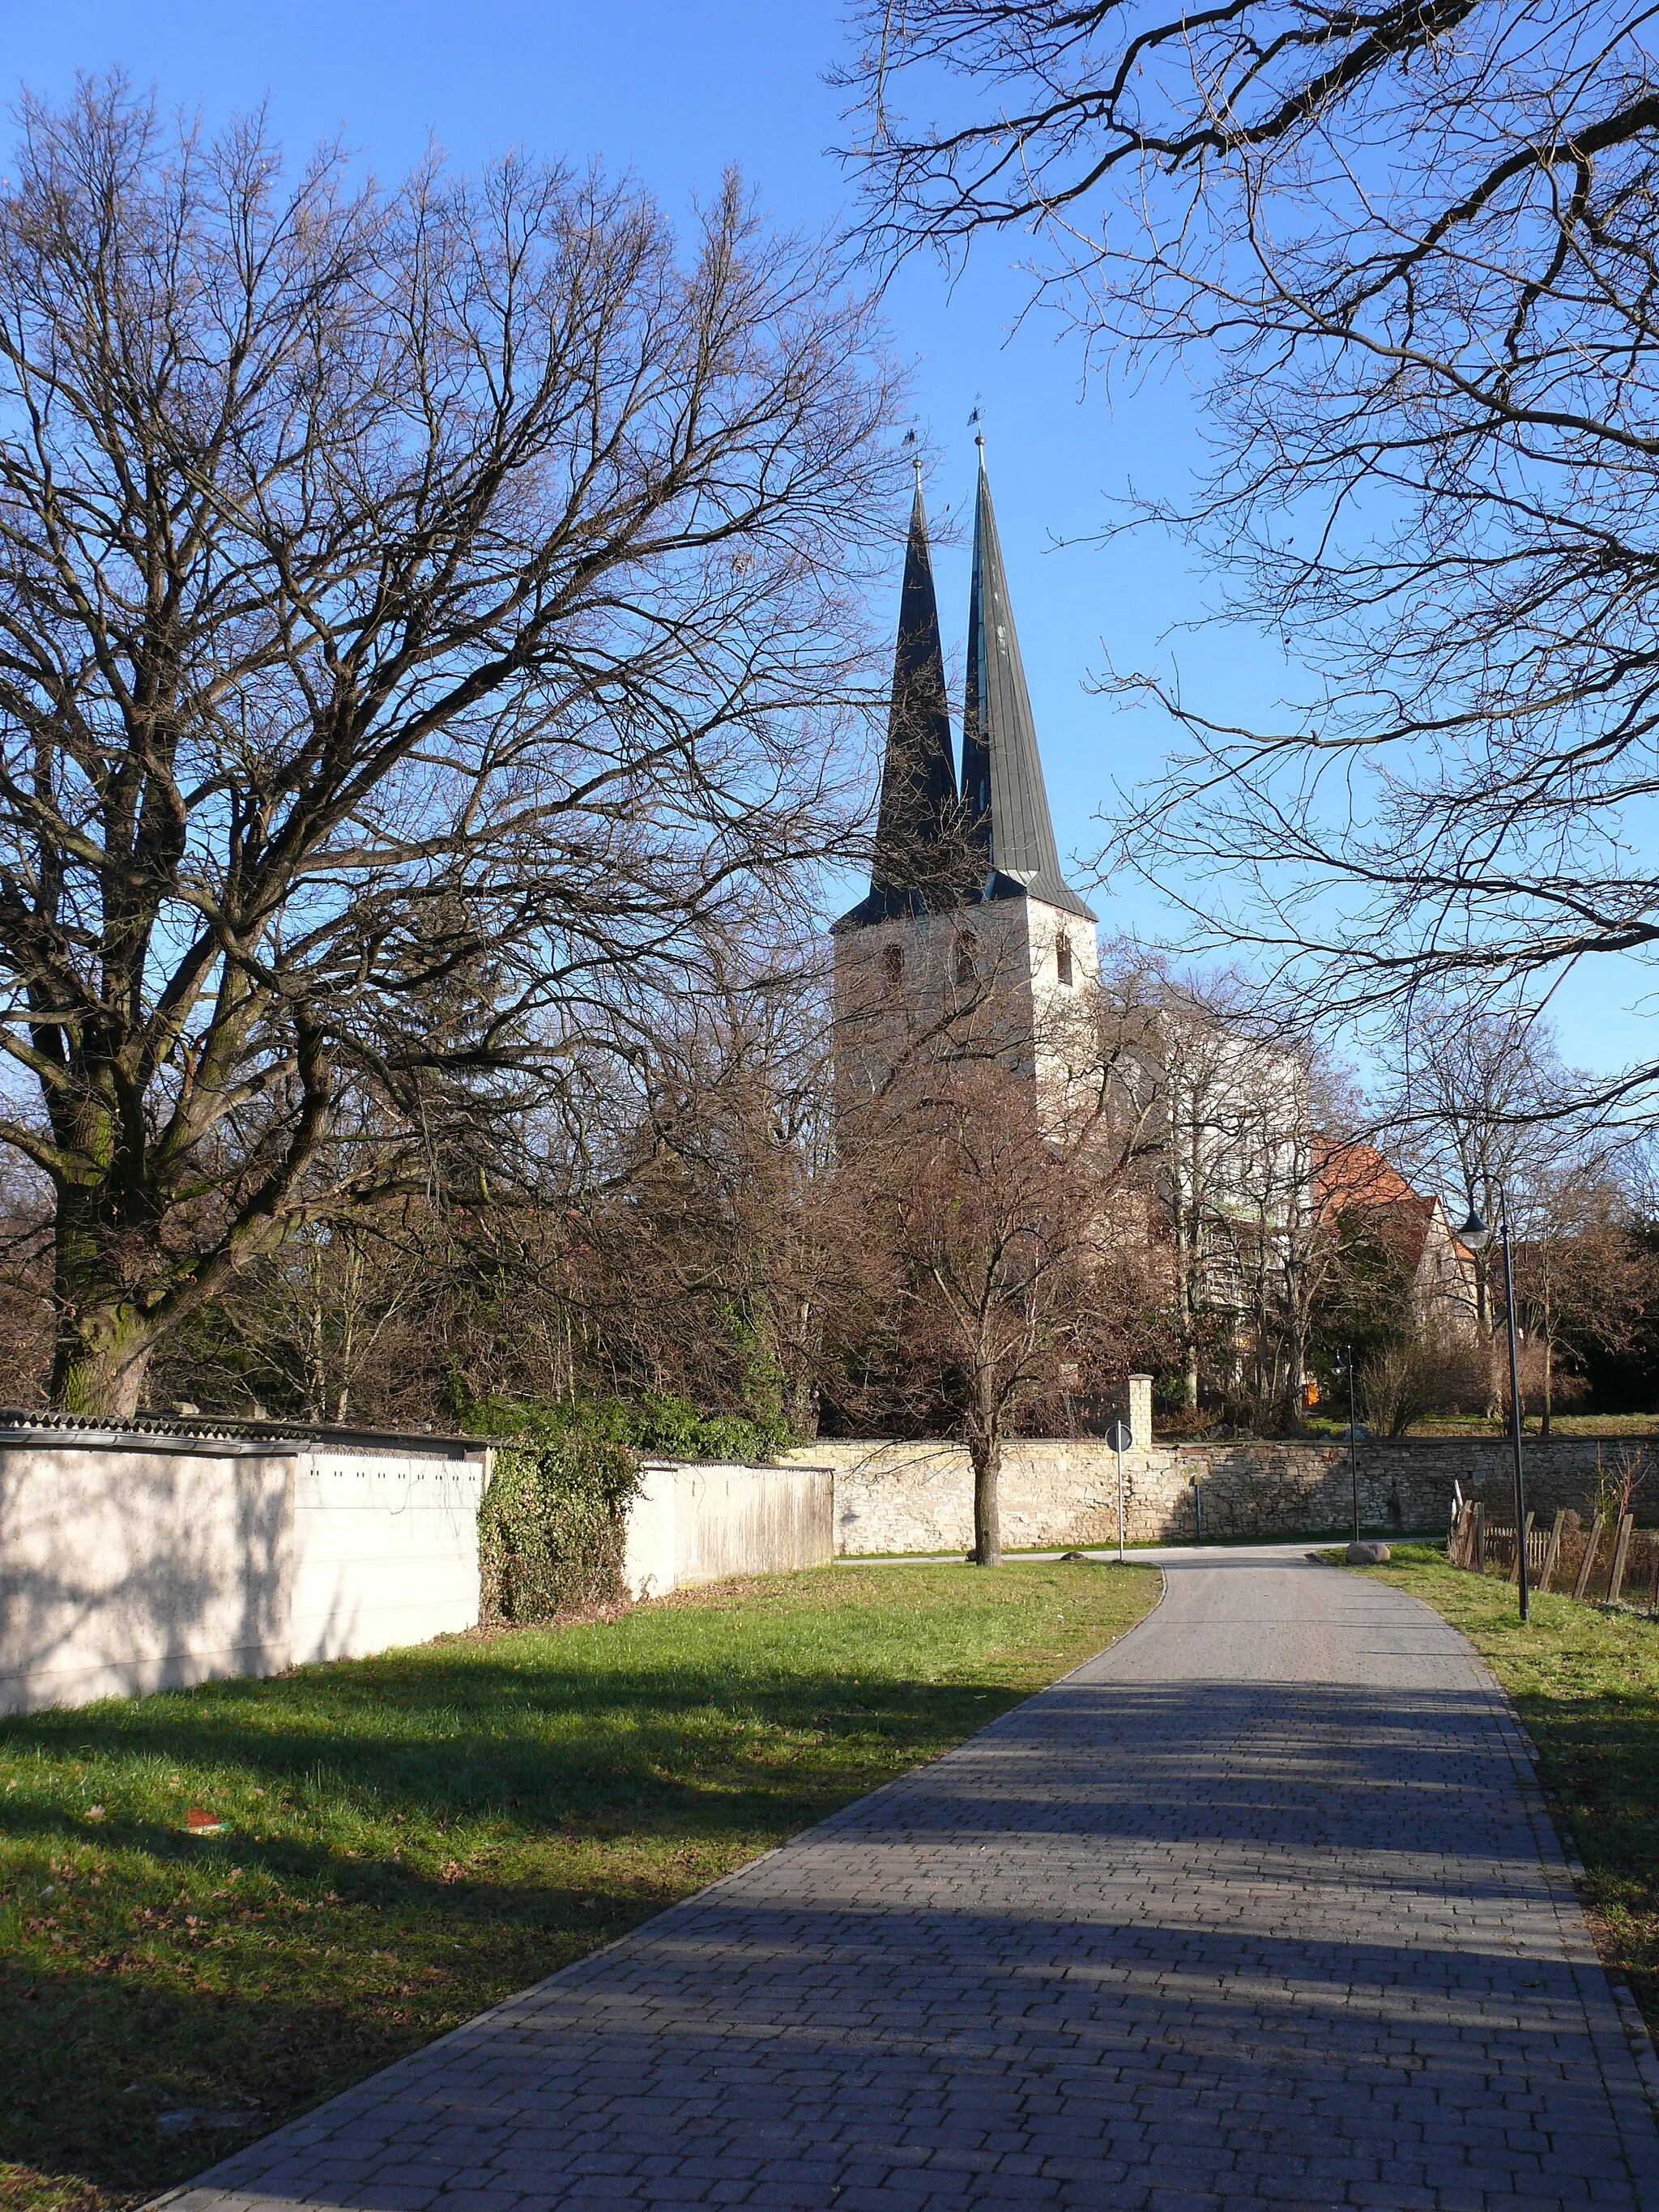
(502, 1748)
(415, 1836)
(1402, 1800)
(97, 2057)
(580, 1808)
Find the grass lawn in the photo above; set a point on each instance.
(411, 1838)
(1610, 1425)
(1587, 1684)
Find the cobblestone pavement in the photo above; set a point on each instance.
(1260, 1907)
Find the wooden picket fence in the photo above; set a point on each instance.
(1611, 1562)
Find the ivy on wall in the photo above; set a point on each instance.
(553, 1524)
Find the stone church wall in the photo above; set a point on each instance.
(909, 1498)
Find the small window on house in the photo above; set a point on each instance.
(966, 967)
(892, 959)
(1063, 960)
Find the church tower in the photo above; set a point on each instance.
(970, 936)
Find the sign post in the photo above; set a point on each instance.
(1120, 1437)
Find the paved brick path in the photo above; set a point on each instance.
(1259, 1908)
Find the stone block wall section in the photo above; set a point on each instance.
(908, 1498)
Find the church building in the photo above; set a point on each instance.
(969, 927)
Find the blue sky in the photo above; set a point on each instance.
(675, 91)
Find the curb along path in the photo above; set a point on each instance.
(1260, 1907)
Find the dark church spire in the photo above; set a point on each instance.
(1003, 801)
(912, 866)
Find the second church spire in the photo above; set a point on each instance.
(1004, 799)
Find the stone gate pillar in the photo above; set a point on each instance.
(1140, 1410)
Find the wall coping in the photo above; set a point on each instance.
(1220, 1443)
(211, 1437)
(747, 1466)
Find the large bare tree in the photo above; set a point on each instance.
(1406, 252)
(423, 615)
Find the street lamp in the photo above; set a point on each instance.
(1476, 1236)
(1354, 1446)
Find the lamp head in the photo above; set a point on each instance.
(1474, 1234)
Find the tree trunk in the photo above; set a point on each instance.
(1186, 1301)
(100, 1359)
(986, 1454)
(104, 1340)
(1549, 1385)
(1189, 1376)
(1295, 1379)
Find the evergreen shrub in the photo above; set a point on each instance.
(552, 1526)
(554, 1521)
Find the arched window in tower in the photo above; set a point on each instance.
(1063, 959)
(892, 960)
(967, 968)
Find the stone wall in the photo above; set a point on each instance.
(908, 1498)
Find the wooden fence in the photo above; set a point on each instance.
(1610, 1563)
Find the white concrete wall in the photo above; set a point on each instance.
(125, 1569)
(698, 1523)
(129, 1564)
(386, 1550)
(132, 1565)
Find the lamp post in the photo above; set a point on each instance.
(1354, 1446)
(1477, 1236)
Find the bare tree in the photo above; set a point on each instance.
(725, 1232)
(987, 1226)
(999, 1219)
(1584, 1279)
(1407, 256)
(1416, 1370)
(1237, 1108)
(423, 619)
(1474, 1098)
